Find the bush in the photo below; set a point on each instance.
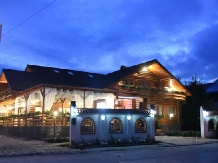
(184, 133)
(157, 124)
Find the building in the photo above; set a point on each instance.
(30, 97)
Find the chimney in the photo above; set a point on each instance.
(122, 67)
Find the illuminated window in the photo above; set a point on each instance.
(87, 126)
(170, 110)
(101, 103)
(116, 126)
(140, 125)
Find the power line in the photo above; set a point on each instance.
(29, 18)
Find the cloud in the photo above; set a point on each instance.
(100, 36)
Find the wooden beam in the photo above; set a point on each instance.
(62, 103)
(43, 104)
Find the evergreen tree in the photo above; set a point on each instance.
(191, 110)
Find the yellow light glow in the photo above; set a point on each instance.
(171, 115)
(55, 113)
(144, 69)
(169, 89)
(171, 83)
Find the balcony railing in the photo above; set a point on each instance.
(34, 120)
(148, 89)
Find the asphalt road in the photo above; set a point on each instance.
(204, 153)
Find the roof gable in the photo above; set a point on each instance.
(157, 69)
(213, 88)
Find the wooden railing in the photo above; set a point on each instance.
(35, 121)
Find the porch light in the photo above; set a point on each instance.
(153, 112)
(144, 69)
(129, 117)
(55, 113)
(74, 111)
(170, 89)
(102, 117)
(171, 115)
(205, 113)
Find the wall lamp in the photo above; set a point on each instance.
(102, 117)
(129, 117)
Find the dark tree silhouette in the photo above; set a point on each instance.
(191, 110)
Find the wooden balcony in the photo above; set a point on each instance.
(151, 90)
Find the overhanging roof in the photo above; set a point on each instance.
(39, 75)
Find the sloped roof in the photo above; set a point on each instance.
(21, 80)
(122, 73)
(207, 85)
(36, 75)
(213, 88)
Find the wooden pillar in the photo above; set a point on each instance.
(43, 104)
(26, 96)
(84, 97)
(62, 103)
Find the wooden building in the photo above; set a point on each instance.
(36, 93)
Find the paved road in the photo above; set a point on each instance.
(170, 149)
(207, 153)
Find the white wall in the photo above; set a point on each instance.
(102, 127)
(205, 118)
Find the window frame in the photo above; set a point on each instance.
(145, 125)
(83, 131)
(114, 131)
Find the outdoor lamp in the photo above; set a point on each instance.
(55, 113)
(171, 115)
(153, 112)
(102, 117)
(205, 113)
(129, 117)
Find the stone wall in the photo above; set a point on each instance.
(35, 132)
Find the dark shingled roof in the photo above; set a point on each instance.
(21, 80)
(35, 75)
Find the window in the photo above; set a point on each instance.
(116, 126)
(159, 110)
(170, 110)
(211, 124)
(87, 126)
(124, 82)
(140, 125)
(130, 82)
(100, 103)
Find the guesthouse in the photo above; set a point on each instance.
(120, 103)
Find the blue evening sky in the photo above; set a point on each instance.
(101, 35)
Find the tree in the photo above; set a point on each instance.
(191, 110)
